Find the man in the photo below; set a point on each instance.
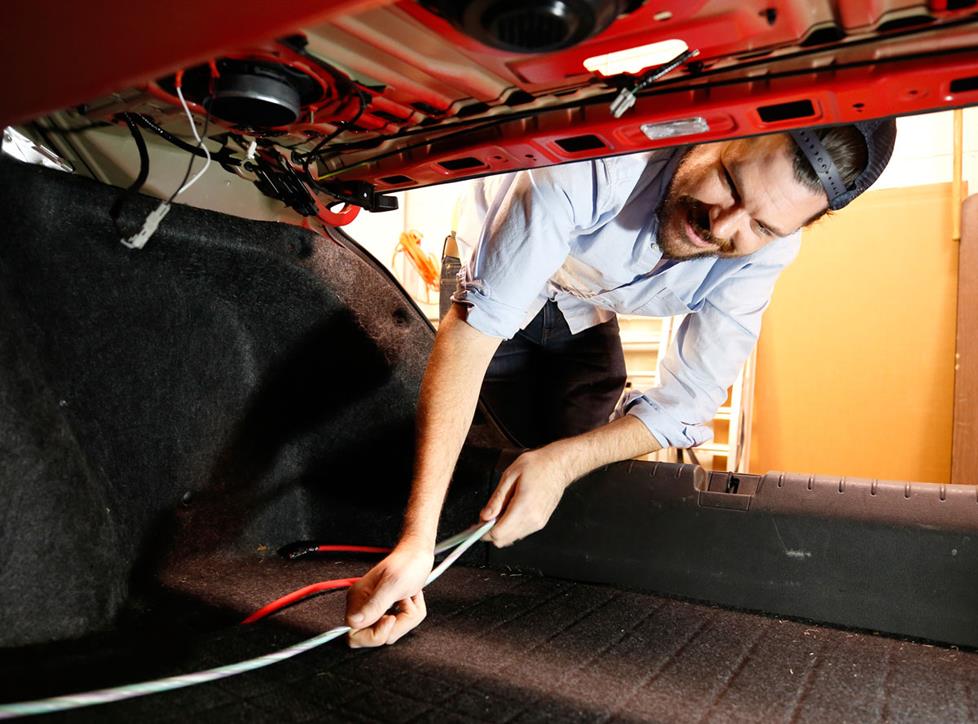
(702, 231)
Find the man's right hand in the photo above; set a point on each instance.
(446, 403)
(396, 579)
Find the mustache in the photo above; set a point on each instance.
(698, 215)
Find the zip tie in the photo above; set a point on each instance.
(130, 691)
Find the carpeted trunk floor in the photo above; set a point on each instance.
(496, 647)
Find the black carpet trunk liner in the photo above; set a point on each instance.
(170, 416)
(496, 647)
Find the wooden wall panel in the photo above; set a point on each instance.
(964, 458)
(855, 369)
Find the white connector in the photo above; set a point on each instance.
(152, 223)
(627, 96)
(623, 101)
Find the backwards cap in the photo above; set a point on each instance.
(879, 136)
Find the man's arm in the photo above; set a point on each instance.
(530, 489)
(449, 394)
(524, 237)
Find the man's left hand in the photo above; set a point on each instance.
(527, 494)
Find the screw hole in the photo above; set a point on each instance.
(401, 317)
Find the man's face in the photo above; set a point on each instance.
(732, 198)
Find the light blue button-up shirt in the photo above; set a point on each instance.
(584, 235)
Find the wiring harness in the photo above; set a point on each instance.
(457, 544)
(155, 217)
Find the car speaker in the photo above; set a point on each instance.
(257, 97)
(531, 26)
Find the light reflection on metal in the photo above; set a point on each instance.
(22, 148)
(635, 60)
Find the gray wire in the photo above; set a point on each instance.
(449, 543)
(471, 540)
(463, 541)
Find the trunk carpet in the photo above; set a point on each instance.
(496, 647)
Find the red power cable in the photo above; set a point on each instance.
(279, 603)
(351, 549)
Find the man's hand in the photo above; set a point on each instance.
(396, 579)
(527, 494)
(449, 393)
(530, 488)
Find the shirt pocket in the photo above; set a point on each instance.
(664, 303)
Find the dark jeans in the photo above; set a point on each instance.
(546, 383)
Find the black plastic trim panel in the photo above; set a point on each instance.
(894, 557)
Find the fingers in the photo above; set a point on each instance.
(507, 505)
(510, 528)
(525, 498)
(370, 598)
(399, 577)
(375, 635)
(367, 601)
(391, 627)
(412, 612)
(500, 498)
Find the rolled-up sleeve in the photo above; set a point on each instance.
(524, 237)
(707, 353)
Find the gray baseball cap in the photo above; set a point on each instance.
(880, 135)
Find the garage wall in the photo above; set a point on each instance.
(855, 371)
(924, 150)
(429, 212)
(855, 365)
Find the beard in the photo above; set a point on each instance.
(674, 213)
(677, 210)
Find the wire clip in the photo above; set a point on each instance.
(627, 96)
